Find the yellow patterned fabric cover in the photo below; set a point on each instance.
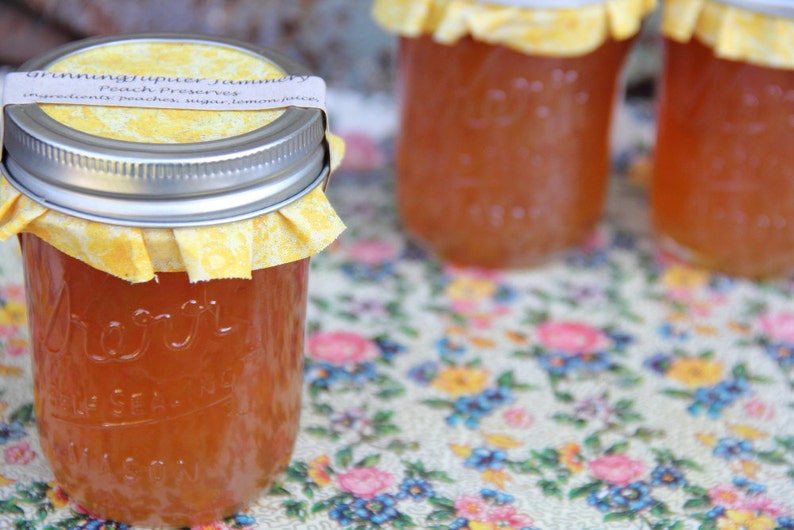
(563, 32)
(733, 33)
(229, 250)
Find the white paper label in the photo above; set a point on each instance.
(162, 92)
(115, 90)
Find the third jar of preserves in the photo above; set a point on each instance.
(723, 186)
(502, 151)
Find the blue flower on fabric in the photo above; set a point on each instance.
(784, 523)
(731, 389)
(595, 361)
(504, 294)
(471, 409)
(416, 489)
(635, 496)
(599, 500)
(494, 397)
(389, 348)
(423, 373)
(659, 363)
(361, 373)
(448, 348)
(734, 449)
(748, 485)
(557, 363)
(781, 352)
(243, 519)
(459, 524)
(667, 476)
(322, 375)
(377, 510)
(369, 272)
(342, 514)
(713, 400)
(11, 431)
(483, 459)
(497, 497)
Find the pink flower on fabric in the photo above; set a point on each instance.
(508, 515)
(727, 497)
(373, 252)
(518, 418)
(759, 409)
(619, 470)
(365, 482)
(341, 347)
(763, 504)
(20, 454)
(778, 326)
(472, 507)
(571, 337)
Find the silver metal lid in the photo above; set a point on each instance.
(777, 8)
(164, 185)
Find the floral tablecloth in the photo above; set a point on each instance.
(615, 388)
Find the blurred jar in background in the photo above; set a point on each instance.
(502, 153)
(723, 186)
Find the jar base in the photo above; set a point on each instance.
(752, 269)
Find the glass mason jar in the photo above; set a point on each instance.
(162, 400)
(722, 194)
(502, 155)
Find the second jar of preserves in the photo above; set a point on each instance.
(502, 151)
(723, 186)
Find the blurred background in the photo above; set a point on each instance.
(336, 39)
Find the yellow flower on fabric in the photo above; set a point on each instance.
(478, 525)
(695, 372)
(570, 456)
(709, 440)
(684, 277)
(503, 441)
(497, 477)
(745, 520)
(5, 481)
(747, 468)
(318, 470)
(463, 451)
(57, 496)
(8, 370)
(13, 313)
(748, 433)
(470, 289)
(460, 380)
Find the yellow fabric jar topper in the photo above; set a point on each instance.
(554, 31)
(233, 249)
(735, 33)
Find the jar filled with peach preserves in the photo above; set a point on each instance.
(502, 152)
(166, 255)
(722, 195)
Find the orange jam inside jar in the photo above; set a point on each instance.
(722, 195)
(502, 150)
(164, 402)
(166, 255)
(502, 157)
